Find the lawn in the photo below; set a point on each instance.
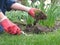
(51, 38)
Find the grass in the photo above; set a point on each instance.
(51, 38)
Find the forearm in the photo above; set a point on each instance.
(2, 16)
(18, 6)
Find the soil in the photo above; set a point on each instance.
(38, 28)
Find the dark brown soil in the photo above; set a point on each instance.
(38, 28)
(40, 15)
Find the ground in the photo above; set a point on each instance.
(38, 28)
(51, 38)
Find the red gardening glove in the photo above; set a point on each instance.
(10, 27)
(37, 14)
(32, 12)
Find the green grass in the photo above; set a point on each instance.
(52, 38)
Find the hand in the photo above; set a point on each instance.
(37, 14)
(10, 27)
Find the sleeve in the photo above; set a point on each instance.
(0, 10)
(9, 3)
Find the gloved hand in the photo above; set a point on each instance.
(37, 14)
(10, 27)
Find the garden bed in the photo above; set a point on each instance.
(38, 28)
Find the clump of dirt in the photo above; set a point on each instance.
(39, 15)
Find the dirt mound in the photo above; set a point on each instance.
(38, 28)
